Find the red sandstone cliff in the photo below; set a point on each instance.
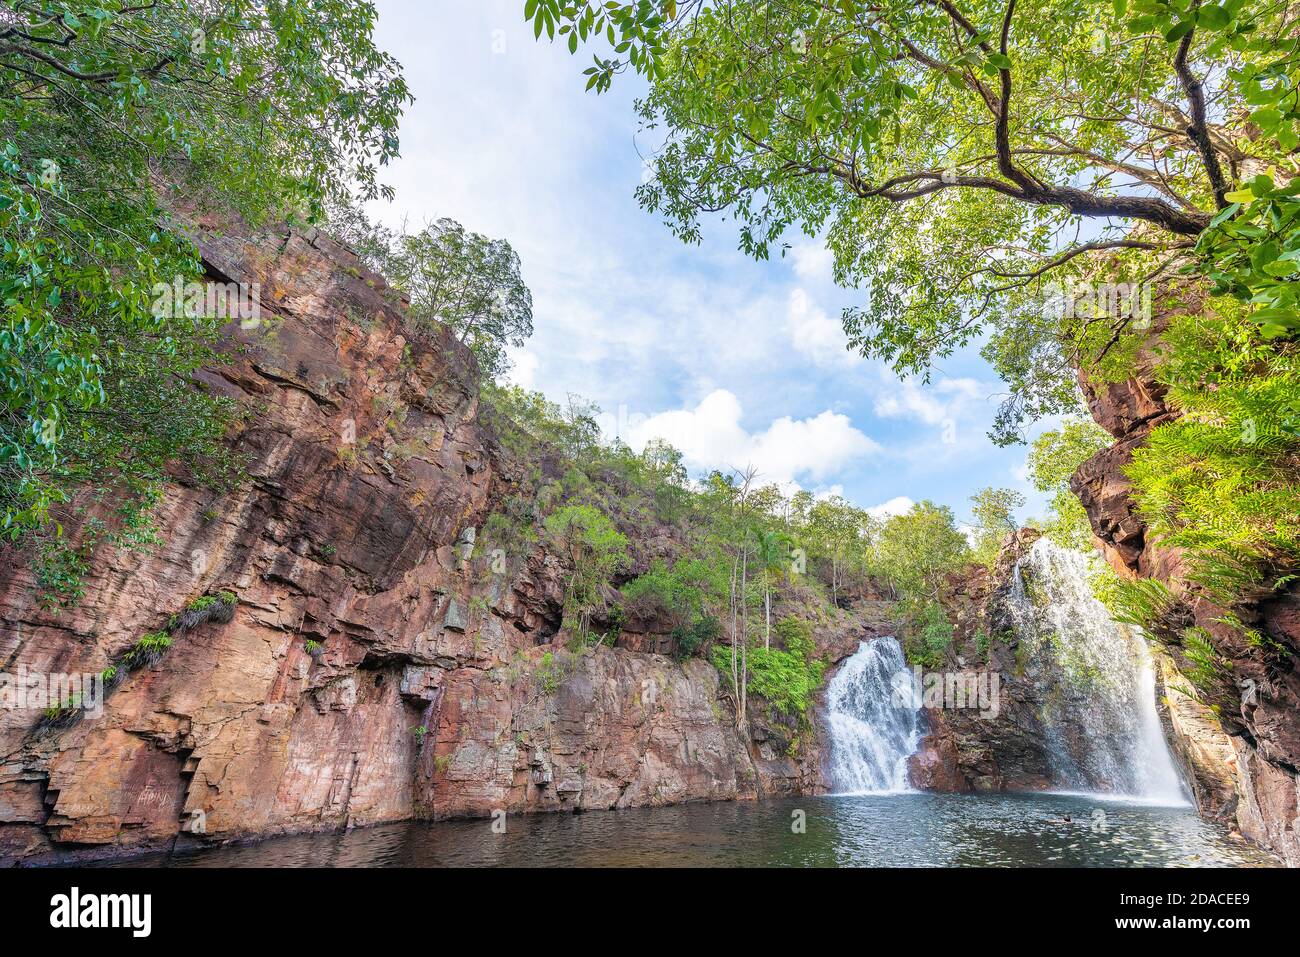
(1241, 742)
(356, 622)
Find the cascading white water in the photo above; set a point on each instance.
(874, 719)
(1097, 703)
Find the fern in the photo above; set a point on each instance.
(1206, 666)
(1223, 481)
(1143, 601)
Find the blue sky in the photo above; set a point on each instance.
(734, 361)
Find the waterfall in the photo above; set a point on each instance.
(1092, 679)
(874, 720)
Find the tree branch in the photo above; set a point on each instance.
(1197, 130)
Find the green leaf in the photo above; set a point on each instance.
(1262, 185)
(1225, 214)
(1213, 17)
(1266, 118)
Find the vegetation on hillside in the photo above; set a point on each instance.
(979, 168)
(994, 512)
(452, 277)
(1223, 481)
(745, 569)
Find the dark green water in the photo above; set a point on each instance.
(901, 830)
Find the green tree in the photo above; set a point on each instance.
(668, 477)
(266, 107)
(917, 551)
(952, 150)
(596, 550)
(976, 164)
(772, 556)
(688, 591)
(836, 532)
(993, 510)
(1052, 460)
(469, 283)
(452, 276)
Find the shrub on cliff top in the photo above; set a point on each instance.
(927, 633)
(596, 550)
(993, 510)
(919, 549)
(1053, 459)
(683, 590)
(694, 636)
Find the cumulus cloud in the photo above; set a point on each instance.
(899, 505)
(711, 436)
(812, 261)
(945, 401)
(815, 334)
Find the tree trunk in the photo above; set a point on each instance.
(744, 633)
(735, 675)
(767, 610)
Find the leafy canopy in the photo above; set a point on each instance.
(919, 549)
(1053, 459)
(953, 151)
(993, 510)
(596, 550)
(453, 276)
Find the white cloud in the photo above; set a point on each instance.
(814, 333)
(899, 505)
(523, 372)
(945, 401)
(711, 436)
(812, 261)
(630, 318)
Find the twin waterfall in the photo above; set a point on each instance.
(1088, 680)
(874, 719)
(1094, 681)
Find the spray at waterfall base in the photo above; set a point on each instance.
(949, 690)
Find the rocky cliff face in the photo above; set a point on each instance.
(966, 750)
(367, 672)
(1240, 741)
